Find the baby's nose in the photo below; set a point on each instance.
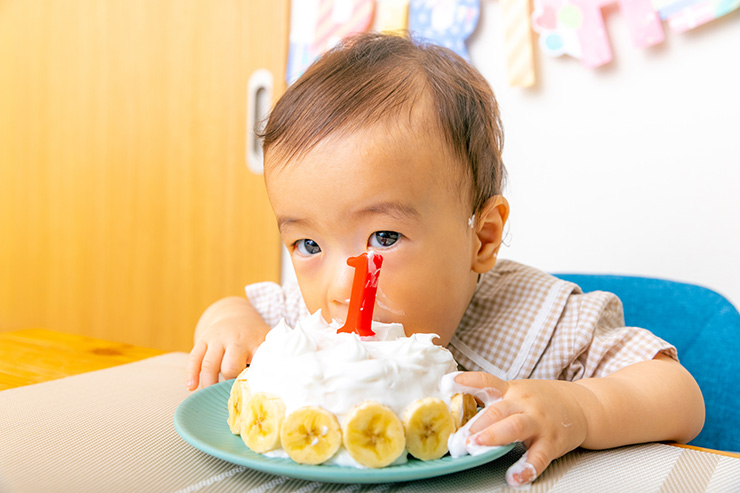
(341, 284)
(340, 288)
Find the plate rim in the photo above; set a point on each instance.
(328, 473)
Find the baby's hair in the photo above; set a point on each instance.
(370, 77)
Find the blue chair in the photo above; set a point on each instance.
(704, 327)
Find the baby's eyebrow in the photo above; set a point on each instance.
(283, 222)
(394, 209)
(397, 210)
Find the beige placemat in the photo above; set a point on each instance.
(111, 430)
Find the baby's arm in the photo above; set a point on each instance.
(648, 401)
(644, 402)
(226, 336)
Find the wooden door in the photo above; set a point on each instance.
(126, 206)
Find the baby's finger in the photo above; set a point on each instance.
(492, 415)
(192, 370)
(235, 360)
(483, 386)
(479, 380)
(530, 465)
(515, 428)
(211, 365)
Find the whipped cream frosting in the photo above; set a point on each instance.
(312, 365)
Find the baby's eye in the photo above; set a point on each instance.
(383, 239)
(307, 247)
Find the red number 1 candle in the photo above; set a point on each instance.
(364, 289)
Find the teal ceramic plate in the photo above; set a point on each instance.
(201, 421)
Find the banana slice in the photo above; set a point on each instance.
(238, 396)
(373, 434)
(310, 435)
(428, 424)
(261, 419)
(463, 407)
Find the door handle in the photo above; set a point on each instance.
(259, 100)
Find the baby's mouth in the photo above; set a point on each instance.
(378, 316)
(381, 313)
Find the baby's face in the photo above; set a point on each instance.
(402, 197)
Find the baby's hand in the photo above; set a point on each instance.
(543, 414)
(227, 335)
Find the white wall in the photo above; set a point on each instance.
(632, 168)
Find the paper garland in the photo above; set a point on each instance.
(392, 15)
(445, 22)
(317, 25)
(518, 42)
(571, 27)
(683, 15)
(576, 27)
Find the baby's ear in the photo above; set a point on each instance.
(489, 231)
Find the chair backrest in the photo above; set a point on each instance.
(705, 328)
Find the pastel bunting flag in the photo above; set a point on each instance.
(317, 25)
(518, 36)
(445, 22)
(392, 15)
(576, 27)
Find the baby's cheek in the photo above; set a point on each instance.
(324, 313)
(445, 336)
(313, 303)
(387, 310)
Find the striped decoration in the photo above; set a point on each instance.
(337, 19)
(392, 16)
(518, 36)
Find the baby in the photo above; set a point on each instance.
(392, 145)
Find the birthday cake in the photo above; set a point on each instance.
(367, 397)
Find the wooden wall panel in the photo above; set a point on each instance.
(126, 206)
